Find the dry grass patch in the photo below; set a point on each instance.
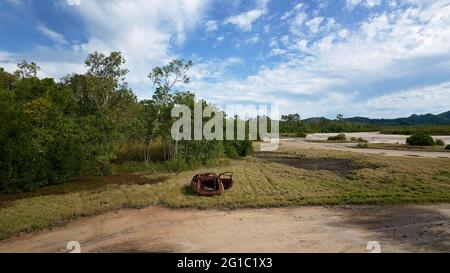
(258, 183)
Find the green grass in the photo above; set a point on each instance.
(330, 141)
(405, 147)
(166, 166)
(299, 134)
(408, 130)
(381, 180)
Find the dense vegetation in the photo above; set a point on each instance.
(420, 139)
(413, 120)
(54, 131)
(408, 130)
(291, 125)
(338, 137)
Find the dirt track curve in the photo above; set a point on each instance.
(300, 229)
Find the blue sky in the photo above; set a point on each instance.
(376, 58)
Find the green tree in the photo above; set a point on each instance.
(421, 139)
(27, 70)
(165, 79)
(109, 67)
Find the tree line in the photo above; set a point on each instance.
(53, 131)
(293, 125)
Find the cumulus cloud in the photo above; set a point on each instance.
(246, 19)
(388, 64)
(143, 31)
(388, 53)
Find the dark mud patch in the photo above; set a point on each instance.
(90, 183)
(424, 228)
(341, 166)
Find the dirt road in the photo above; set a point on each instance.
(299, 143)
(301, 229)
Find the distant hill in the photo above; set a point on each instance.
(427, 119)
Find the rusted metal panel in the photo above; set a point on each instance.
(210, 184)
(227, 179)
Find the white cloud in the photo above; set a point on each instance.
(73, 2)
(392, 63)
(53, 64)
(314, 24)
(245, 20)
(277, 51)
(297, 23)
(356, 72)
(353, 3)
(432, 98)
(144, 31)
(252, 40)
(288, 13)
(372, 3)
(323, 4)
(211, 25)
(366, 3)
(52, 35)
(213, 70)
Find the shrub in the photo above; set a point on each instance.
(231, 152)
(359, 139)
(363, 145)
(338, 137)
(244, 147)
(420, 139)
(440, 142)
(301, 134)
(447, 147)
(234, 149)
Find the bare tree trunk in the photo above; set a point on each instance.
(147, 153)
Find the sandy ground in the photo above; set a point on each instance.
(300, 229)
(372, 137)
(305, 144)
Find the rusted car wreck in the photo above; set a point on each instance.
(210, 184)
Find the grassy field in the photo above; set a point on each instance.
(408, 130)
(405, 147)
(258, 183)
(329, 141)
